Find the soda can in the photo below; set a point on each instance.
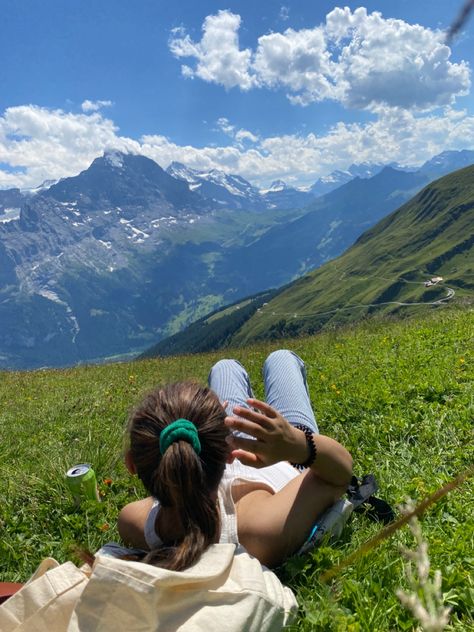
(82, 483)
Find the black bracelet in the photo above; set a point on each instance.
(308, 433)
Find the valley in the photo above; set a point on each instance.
(105, 264)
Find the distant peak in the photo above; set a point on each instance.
(182, 172)
(278, 185)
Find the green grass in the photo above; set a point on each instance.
(398, 394)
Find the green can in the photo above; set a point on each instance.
(82, 483)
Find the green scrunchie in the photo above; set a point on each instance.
(180, 429)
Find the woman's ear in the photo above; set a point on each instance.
(129, 464)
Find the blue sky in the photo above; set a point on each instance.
(265, 89)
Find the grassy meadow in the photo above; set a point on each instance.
(398, 394)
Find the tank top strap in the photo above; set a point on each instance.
(228, 515)
(152, 539)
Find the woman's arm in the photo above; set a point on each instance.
(274, 526)
(275, 439)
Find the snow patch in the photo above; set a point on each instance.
(51, 296)
(10, 215)
(114, 159)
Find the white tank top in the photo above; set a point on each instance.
(275, 476)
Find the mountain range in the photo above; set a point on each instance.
(106, 263)
(418, 257)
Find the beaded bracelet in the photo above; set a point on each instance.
(308, 433)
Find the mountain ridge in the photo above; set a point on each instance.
(387, 269)
(110, 261)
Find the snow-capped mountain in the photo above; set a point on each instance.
(275, 187)
(219, 187)
(446, 162)
(233, 191)
(337, 178)
(281, 195)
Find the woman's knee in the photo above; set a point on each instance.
(226, 365)
(282, 356)
(226, 370)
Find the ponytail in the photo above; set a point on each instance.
(181, 478)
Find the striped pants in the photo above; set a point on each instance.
(284, 378)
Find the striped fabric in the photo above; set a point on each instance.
(284, 377)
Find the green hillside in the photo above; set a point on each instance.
(383, 273)
(388, 266)
(398, 394)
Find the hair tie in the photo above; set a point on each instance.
(180, 429)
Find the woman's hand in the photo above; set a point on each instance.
(275, 439)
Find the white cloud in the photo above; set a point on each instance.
(387, 61)
(224, 125)
(297, 61)
(94, 106)
(361, 60)
(244, 135)
(48, 144)
(219, 59)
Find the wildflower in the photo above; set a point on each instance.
(104, 527)
(107, 481)
(425, 599)
(461, 360)
(131, 378)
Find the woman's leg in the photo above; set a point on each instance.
(286, 389)
(230, 381)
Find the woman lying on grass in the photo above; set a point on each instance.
(217, 478)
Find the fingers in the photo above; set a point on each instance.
(241, 425)
(252, 415)
(247, 458)
(263, 407)
(240, 443)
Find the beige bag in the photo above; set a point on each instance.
(225, 590)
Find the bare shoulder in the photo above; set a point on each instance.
(131, 522)
(273, 526)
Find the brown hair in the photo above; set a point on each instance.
(180, 478)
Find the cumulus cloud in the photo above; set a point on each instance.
(218, 56)
(94, 106)
(38, 144)
(50, 144)
(361, 60)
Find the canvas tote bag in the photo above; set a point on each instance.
(226, 590)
